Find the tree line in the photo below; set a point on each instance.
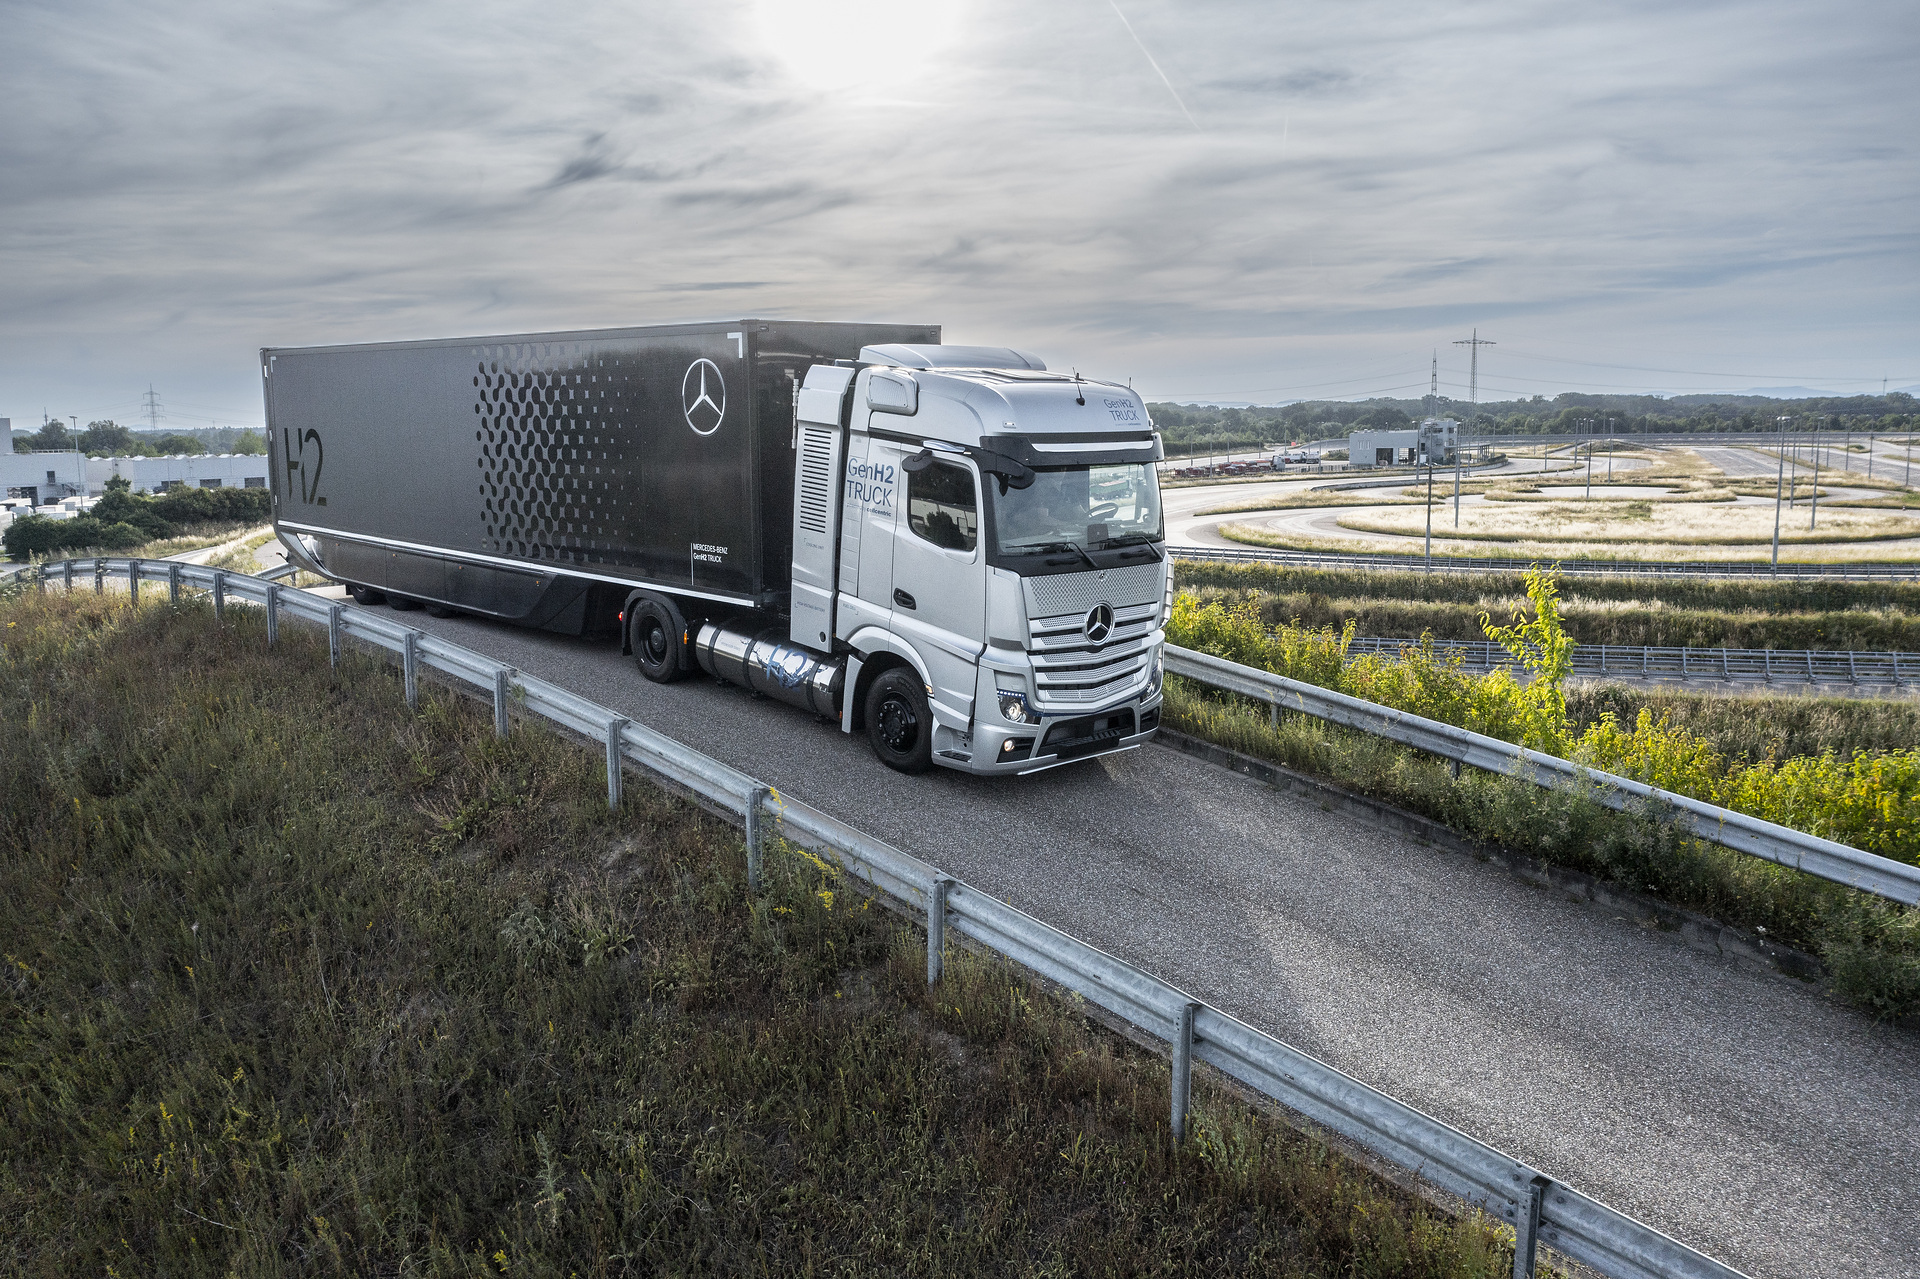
(1186, 426)
(110, 439)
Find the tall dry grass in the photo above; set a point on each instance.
(297, 983)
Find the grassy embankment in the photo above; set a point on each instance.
(299, 983)
(1866, 799)
(1663, 612)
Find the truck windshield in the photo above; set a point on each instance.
(1080, 509)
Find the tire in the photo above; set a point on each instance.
(899, 721)
(441, 610)
(402, 604)
(365, 594)
(658, 634)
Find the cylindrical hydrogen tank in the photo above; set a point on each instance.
(769, 663)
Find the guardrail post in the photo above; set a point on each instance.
(614, 761)
(333, 634)
(173, 582)
(133, 581)
(756, 833)
(99, 576)
(273, 613)
(66, 576)
(1273, 710)
(409, 667)
(1182, 1071)
(937, 930)
(1526, 1230)
(501, 678)
(219, 595)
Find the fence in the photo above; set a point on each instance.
(1539, 1208)
(1576, 568)
(1762, 665)
(1824, 858)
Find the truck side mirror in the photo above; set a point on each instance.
(892, 391)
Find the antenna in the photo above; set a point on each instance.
(153, 408)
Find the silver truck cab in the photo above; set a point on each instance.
(982, 539)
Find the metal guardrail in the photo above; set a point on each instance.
(1576, 568)
(1632, 661)
(1825, 858)
(1539, 1208)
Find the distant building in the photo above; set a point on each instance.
(42, 478)
(153, 474)
(1432, 443)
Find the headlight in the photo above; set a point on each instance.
(1159, 674)
(1013, 706)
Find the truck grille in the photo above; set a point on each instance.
(1069, 670)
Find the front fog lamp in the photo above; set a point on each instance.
(1013, 706)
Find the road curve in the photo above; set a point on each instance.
(1738, 1110)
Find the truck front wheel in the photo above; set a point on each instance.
(658, 634)
(899, 721)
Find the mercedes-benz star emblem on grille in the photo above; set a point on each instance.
(1099, 623)
(703, 394)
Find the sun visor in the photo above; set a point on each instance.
(1039, 451)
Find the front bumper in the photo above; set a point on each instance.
(1057, 739)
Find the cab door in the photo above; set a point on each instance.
(940, 579)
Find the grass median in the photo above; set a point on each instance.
(297, 982)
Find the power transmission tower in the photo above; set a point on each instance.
(1433, 386)
(1473, 344)
(153, 408)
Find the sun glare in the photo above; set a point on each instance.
(856, 44)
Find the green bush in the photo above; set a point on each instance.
(1870, 801)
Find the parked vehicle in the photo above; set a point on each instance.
(951, 549)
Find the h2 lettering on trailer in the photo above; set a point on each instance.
(293, 451)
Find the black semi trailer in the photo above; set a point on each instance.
(538, 478)
(952, 548)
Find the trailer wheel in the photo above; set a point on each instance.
(658, 632)
(899, 721)
(364, 594)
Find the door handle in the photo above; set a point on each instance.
(903, 599)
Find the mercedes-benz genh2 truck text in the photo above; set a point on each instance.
(949, 548)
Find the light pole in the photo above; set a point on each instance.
(1609, 450)
(1814, 521)
(1779, 485)
(1429, 515)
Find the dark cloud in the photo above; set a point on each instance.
(179, 187)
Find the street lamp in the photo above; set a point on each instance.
(1779, 485)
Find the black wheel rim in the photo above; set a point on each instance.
(899, 725)
(653, 643)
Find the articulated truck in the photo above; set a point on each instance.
(952, 549)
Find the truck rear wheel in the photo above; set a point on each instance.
(658, 634)
(899, 721)
(364, 594)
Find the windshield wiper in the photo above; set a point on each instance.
(1043, 548)
(1135, 539)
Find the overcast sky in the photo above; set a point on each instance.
(1227, 199)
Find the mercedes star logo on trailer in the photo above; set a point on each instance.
(1099, 623)
(697, 391)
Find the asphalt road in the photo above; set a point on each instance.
(1736, 1109)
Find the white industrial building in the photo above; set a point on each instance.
(206, 470)
(39, 478)
(1432, 443)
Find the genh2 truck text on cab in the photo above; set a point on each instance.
(951, 549)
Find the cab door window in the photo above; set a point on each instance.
(941, 507)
